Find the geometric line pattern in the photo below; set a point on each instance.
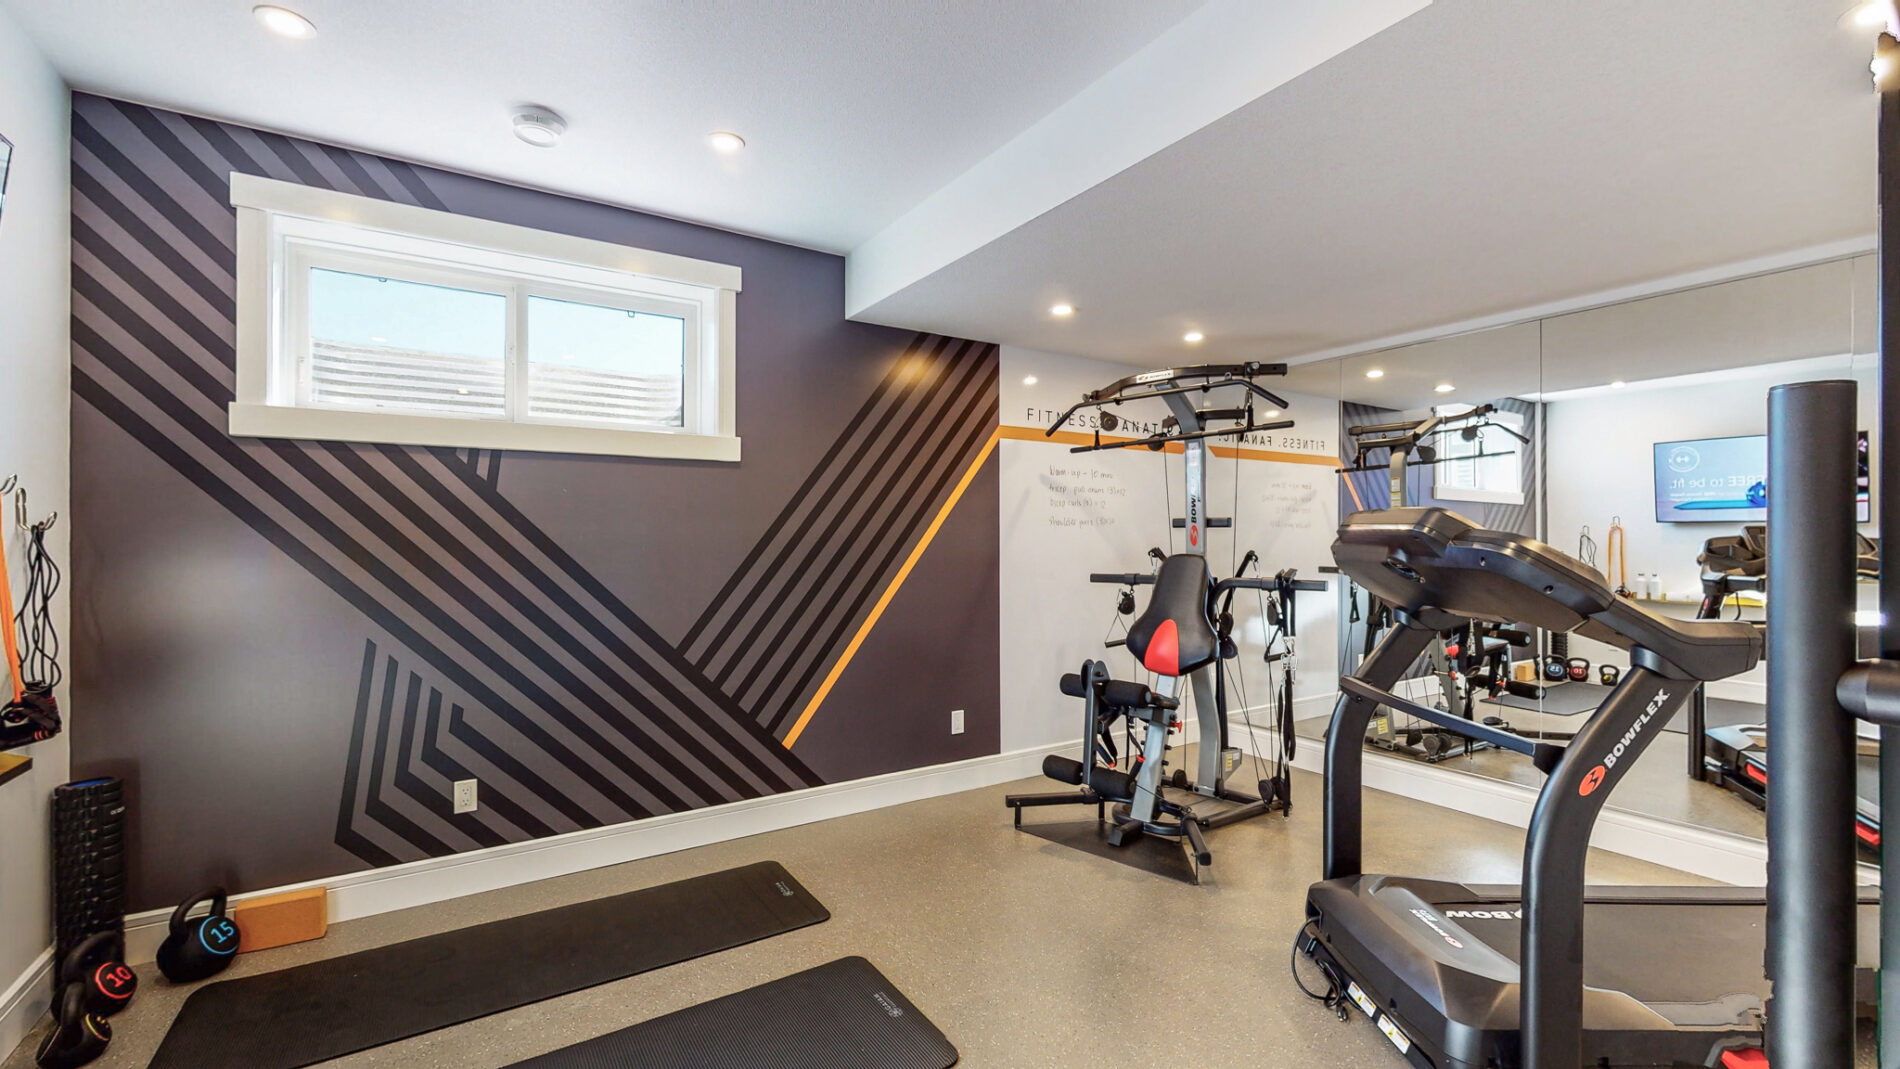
(578, 712)
(845, 533)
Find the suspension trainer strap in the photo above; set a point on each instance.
(6, 626)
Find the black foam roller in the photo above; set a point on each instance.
(88, 860)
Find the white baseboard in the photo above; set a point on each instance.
(363, 894)
(22, 1003)
(1730, 858)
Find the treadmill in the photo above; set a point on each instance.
(1735, 756)
(1552, 974)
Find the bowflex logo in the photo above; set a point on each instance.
(1432, 923)
(1485, 914)
(1595, 777)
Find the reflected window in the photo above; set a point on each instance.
(1486, 466)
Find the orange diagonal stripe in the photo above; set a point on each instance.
(864, 629)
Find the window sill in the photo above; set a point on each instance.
(282, 421)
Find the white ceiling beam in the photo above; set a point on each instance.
(1218, 59)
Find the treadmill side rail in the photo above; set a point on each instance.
(1555, 851)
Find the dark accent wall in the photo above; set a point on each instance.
(291, 649)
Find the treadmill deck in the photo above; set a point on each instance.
(1440, 961)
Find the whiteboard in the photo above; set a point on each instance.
(1066, 514)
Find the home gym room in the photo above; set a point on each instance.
(856, 534)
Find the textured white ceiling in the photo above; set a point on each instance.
(853, 110)
(1478, 157)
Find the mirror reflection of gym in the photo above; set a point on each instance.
(1647, 462)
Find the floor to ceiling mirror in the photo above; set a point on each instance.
(1632, 436)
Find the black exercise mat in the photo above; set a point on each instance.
(326, 1009)
(1150, 853)
(843, 1015)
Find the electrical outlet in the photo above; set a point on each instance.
(465, 795)
(956, 721)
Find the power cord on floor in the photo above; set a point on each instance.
(1334, 998)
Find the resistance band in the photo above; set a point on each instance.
(1618, 565)
(39, 659)
(32, 715)
(11, 636)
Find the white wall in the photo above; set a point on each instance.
(1066, 514)
(35, 402)
(1600, 467)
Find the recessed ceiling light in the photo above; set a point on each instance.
(1375, 373)
(539, 126)
(1443, 387)
(1273, 413)
(1029, 380)
(1192, 336)
(1618, 384)
(284, 22)
(725, 142)
(1062, 309)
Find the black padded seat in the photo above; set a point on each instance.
(1118, 693)
(1173, 636)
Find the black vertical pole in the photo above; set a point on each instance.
(1887, 497)
(1344, 807)
(1811, 643)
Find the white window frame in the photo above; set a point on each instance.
(284, 229)
(1515, 421)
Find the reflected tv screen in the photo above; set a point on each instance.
(1725, 480)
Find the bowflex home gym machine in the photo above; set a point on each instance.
(1181, 637)
(1498, 977)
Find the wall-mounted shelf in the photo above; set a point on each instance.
(13, 766)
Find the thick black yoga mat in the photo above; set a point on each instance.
(326, 1009)
(843, 1015)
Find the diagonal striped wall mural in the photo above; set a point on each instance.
(485, 643)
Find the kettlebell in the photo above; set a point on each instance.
(194, 950)
(97, 964)
(1608, 674)
(79, 1036)
(1579, 669)
(1555, 670)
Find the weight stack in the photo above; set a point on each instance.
(88, 860)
